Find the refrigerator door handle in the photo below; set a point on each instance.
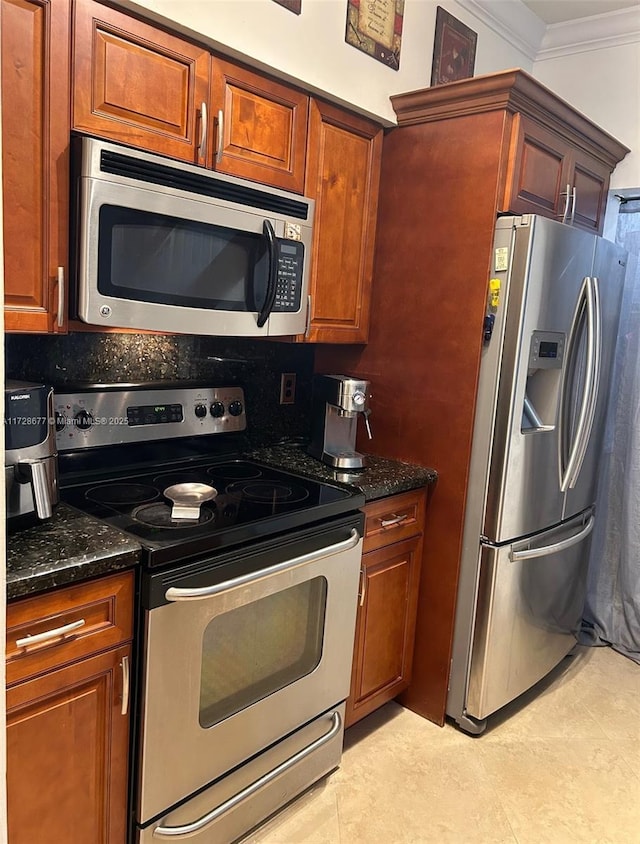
(585, 304)
(547, 550)
(583, 443)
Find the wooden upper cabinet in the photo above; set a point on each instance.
(540, 162)
(543, 144)
(343, 175)
(35, 162)
(140, 85)
(137, 84)
(260, 127)
(554, 178)
(590, 179)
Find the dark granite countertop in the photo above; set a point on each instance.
(382, 476)
(71, 546)
(66, 548)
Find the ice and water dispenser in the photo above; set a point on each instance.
(544, 376)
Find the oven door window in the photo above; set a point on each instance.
(147, 257)
(258, 648)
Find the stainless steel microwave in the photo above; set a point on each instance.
(168, 246)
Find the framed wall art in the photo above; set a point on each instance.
(294, 6)
(375, 27)
(454, 49)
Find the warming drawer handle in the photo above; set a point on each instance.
(547, 550)
(56, 633)
(206, 820)
(175, 593)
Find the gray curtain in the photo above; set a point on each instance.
(612, 611)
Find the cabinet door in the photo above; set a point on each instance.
(537, 171)
(590, 179)
(261, 127)
(343, 174)
(385, 626)
(35, 163)
(138, 84)
(67, 750)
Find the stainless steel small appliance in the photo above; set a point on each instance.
(31, 477)
(168, 246)
(338, 402)
(247, 612)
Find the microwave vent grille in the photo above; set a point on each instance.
(205, 185)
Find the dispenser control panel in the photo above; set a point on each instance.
(547, 350)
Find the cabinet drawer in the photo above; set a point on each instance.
(81, 620)
(394, 518)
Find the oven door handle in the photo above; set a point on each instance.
(175, 593)
(206, 820)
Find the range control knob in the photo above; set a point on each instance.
(83, 420)
(216, 409)
(235, 408)
(200, 411)
(60, 421)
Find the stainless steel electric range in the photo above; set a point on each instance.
(248, 597)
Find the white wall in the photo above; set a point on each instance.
(604, 84)
(310, 48)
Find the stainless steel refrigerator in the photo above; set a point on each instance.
(552, 314)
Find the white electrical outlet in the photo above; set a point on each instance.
(287, 388)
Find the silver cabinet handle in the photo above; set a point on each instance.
(175, 593)
(363, 581)
(206, 820)
(573, 204)
(394, 520)
(61, 291)
(307, 327)
(567, 197)
(220, 136)
(204, 128)
(126, 684)
(547, 550)
(56, 633)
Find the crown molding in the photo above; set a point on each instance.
(598, 32)
(512, 21)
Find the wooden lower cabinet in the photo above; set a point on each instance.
(386, 621)
(67, 750)
(68, 726)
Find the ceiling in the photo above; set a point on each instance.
(559, 11)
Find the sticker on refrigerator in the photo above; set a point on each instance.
(502, 259)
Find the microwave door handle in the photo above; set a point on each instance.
(269, 233)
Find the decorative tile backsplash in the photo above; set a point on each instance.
(255, 365)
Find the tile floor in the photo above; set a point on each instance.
(560, 765)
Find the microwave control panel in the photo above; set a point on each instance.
(289, 283)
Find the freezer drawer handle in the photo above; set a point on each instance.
(175, 593)
(206, 820)
(547, 550)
